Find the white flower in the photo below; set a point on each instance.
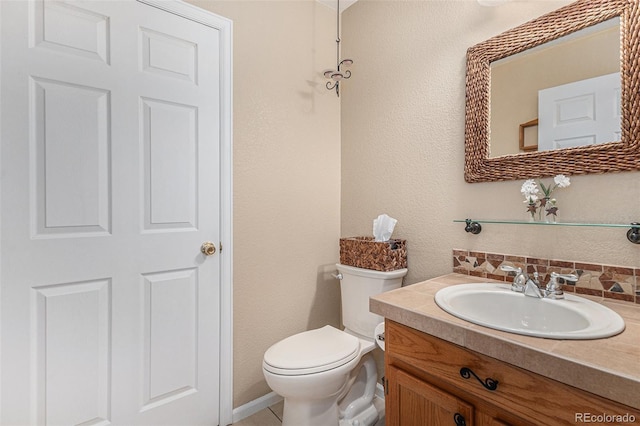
(529, 188)
(530, 198)
(562, 181)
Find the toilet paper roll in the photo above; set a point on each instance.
(379, 335)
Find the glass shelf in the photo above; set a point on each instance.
(524, 222)
(475, 226)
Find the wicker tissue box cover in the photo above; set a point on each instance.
(364, 252)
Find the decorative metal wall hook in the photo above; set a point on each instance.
(337, 75)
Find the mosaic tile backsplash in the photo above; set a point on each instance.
(614, 282)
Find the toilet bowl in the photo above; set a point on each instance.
(313, 371)
(327, 376)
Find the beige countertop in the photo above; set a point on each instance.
(606, 367)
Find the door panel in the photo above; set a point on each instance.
(170, 335)
(70, 157)
(70, 29)
(72, 380)
(169, 56)
(170, 165)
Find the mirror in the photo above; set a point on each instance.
(485, 157)
(581, 82)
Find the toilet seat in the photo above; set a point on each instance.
(312, 351)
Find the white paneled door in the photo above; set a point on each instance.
(585, 112)
(110, 184)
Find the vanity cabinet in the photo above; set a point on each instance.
(433, 382)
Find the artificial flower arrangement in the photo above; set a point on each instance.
(536, 204)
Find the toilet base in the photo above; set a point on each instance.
(324, 413)
(357, 407)
(365, 418)
(353, 406)
(320, 413)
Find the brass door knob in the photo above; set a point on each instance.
(208, 248)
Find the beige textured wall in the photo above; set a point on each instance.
(403, 143)
(286, 178)
(402, 153)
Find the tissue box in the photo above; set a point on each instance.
(364, 252)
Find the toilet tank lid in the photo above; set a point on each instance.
(312, 349)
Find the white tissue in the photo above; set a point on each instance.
(383, 227)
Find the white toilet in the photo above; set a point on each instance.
(327, 376)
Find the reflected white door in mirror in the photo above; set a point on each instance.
(586, 112)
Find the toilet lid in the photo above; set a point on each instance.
(312, 351)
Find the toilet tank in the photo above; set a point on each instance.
(356, 286)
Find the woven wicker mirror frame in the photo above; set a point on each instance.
(610, 157)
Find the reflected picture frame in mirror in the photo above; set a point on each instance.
(609, 157)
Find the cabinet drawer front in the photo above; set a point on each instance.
(518, 391)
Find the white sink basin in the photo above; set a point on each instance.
(496, 306)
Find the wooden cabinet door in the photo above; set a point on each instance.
(413, 402)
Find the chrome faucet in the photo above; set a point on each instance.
(532, 287)
(523, 283)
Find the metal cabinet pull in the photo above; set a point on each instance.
(488, 384)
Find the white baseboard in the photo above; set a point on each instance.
(254, 406)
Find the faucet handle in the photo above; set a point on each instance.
(554, 290)
(566, 277)
(508, 268)
(519, 281)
